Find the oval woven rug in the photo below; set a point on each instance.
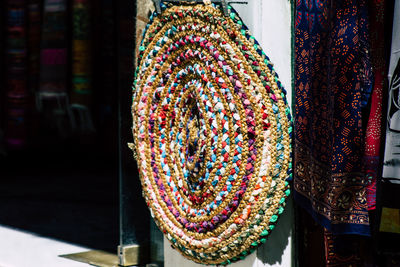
(212, 131)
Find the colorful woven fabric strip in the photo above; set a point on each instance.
(212, 132)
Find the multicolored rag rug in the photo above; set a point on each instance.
(212, 131)
(333, 82)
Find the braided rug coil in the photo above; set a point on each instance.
(212, 131)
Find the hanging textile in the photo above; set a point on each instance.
(333, 81)
(53, 58)
(212, 130)
(52, 97)
(391, 168)
(81, 94)
(343, 250)
(17, 95)
(34, 33)
(390, 185)
(319, 247)
(374, 127)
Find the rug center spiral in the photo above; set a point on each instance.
(193, 150)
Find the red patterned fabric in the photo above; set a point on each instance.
(374, 127)
(342, 250)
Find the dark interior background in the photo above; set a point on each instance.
(57, 180)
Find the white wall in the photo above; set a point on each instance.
(270, 23)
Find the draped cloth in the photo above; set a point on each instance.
(333, 82)
(391, 169)
(389, 229)
(373, 133)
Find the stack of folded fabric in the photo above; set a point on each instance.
(16, 90)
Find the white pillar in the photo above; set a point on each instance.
(270, 23)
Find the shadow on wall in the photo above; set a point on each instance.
(272, 251)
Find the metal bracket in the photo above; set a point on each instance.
(131, 255)
(224, 3)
